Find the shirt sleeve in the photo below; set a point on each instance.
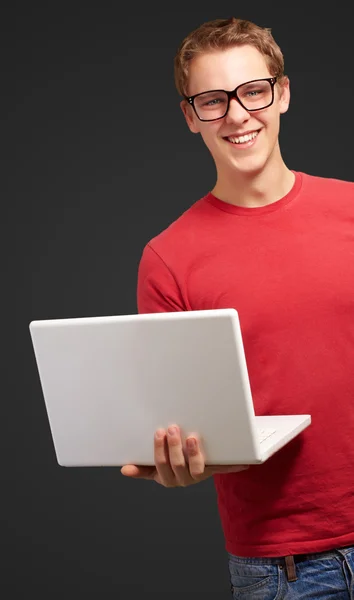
(157, 288)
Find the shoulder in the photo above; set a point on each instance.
(181, 231)
(327, 184)
(162, 262)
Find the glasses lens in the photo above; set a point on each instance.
(255, 95)
(211, 105)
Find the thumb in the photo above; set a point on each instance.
(138, 472)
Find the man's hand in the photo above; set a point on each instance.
(174, 468)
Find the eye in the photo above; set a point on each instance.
(213, 102)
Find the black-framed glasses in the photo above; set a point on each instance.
(252, 95)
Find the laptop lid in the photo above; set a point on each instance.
(110, 382)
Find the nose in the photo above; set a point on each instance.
(236, 112)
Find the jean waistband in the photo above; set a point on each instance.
(279, 560)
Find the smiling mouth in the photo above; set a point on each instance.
(242, 139)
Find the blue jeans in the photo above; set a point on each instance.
(322, 576)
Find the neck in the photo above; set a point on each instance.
(254, 189)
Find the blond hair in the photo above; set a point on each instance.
(221, 34)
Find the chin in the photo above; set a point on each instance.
(249, 166)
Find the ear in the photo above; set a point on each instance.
(190, 116)
(284, 97)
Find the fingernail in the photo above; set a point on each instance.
(160, 434)
(191, 444)
(172, 430)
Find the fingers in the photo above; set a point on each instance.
(162, 461)
(172, 468)
(197, 468)
(177, 459)
(195, 458)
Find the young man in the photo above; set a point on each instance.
(278, 246)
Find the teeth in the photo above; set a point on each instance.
(243, 138)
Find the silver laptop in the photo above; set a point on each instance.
(109, 382)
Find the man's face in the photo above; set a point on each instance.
(225, 70)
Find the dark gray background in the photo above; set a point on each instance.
(97, 160)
